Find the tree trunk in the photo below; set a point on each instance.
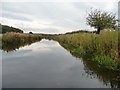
(98, 30)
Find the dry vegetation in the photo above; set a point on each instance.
(11, 41)
(101, 48)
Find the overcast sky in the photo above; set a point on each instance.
(52, 16)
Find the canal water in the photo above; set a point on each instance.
(46, 64)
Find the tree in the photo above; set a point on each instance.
(101, 20)
(5, 29)
(30, 33)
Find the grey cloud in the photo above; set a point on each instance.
(71, 15)
(15, 15)
(41, 9)
(16, 7)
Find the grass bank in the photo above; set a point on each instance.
(102, 48)
(12, 41)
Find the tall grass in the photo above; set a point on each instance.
(102, 48)
(11, 41)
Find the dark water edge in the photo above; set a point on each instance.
(93, 69)
(108, 78)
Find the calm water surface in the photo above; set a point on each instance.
(45, 64)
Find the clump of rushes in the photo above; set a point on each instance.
(106, 61)
(11, 41)
(102, 48)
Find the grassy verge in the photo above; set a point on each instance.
(102, 48)
(12, 41)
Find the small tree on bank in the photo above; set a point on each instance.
(101, 20)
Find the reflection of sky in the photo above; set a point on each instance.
(39, 47)
(44, 64)
(42, 46)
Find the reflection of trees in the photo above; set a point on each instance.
(94, 70)
(104, 75)
(14, 46)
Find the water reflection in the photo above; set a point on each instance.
(14, 46)
(47, 64)
(106, 76)
(93, 70)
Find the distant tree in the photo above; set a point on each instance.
(30, 33)
(5, 28)
(101, 20)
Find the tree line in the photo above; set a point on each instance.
(5, 28)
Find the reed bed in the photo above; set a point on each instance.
(102, 48)
(12, 40)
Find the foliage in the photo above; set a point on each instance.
(30, 32)
(80, 31)
(106, 61)
(12, 40)
(101, 20)
(92, 45)
(6, 28)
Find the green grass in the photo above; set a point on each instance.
(106, 61)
